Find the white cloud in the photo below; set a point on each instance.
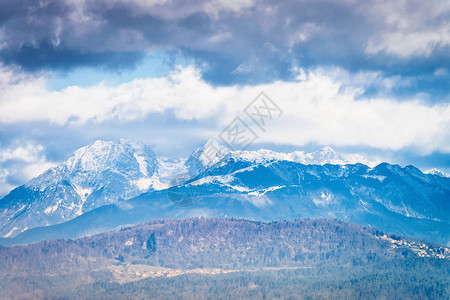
(167, 9)
(215, 6)
(5, 187)
(323, 107)
(27, 153)
(405, 44)
(440, 72)
(409, 28)
(220, 37)
(304, 33)
(22, 161)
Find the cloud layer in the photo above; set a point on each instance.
(324, 106)
(250, 41)
(21, 162)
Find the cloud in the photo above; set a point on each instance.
(60, 57)
(27, 153)
(229, 35)
(20, 162)
(411, 44)
(216, 6)
(325, 106)
(410, 28)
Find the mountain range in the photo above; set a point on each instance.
(112, 184)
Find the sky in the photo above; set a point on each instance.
(367, 77)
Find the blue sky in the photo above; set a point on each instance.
(370, 77)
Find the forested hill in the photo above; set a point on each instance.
(207, 246)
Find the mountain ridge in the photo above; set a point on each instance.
(107, 172)
(98, 174)
(263, 184)
(349, 193)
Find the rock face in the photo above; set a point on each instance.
(98, 174)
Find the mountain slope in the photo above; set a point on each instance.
(98, 174)
(108, 172)
(215, 182)
(399, 200)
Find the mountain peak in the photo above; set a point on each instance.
(326, 155)
(108, 172)
(103, 172)
(206, 156)
(128, 159)
(102, 155)
(437, 172)
(327, 149)
(88, 155)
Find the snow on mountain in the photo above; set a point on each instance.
(163, 178)
(437, 172)
(103, 172)
(99, 164)
(106, 172)
(206, 156)
(323, 156)
(212, 152)
(395, 199)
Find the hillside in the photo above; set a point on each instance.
(210, 247)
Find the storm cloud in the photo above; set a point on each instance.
(249, 41)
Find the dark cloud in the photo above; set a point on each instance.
(47, 55)
(254, 44)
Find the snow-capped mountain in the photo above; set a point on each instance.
(98, 174)
(260, 185)
(214, 181)
(437, 172)
(106, 172)
(212, 153)
(323, 156)
(206, 156)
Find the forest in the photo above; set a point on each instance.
(201, 258)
